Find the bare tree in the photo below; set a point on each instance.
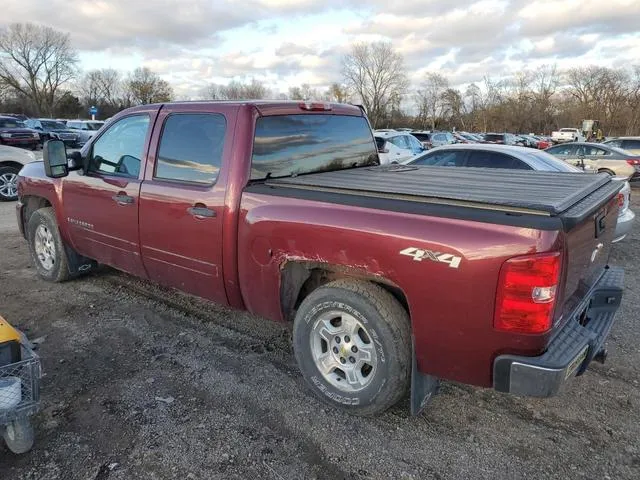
(429, 98)
(338, 93)
(145, 86)
(36, 61)
(235, 90)
(376, 74)
(454, 107)
(304, 92)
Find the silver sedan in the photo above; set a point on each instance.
(520, 158)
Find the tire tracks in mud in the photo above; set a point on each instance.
(279, 345)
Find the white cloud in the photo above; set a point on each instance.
(287, 42)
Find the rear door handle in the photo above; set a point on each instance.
(199, 211)
(122, 199)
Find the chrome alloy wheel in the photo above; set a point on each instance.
(343, 351)
(8, 185)
(45, 247)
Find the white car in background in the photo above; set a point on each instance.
(396, 146)
(12, 159)
(85, 129)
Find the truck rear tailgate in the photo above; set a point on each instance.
(587, 246)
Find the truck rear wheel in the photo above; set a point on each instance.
(46, 246)
(352, 341)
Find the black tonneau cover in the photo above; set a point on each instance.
(571, 196)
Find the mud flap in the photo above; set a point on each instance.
(78, 263)
(423, 387)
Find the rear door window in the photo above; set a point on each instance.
(630, 144)
(487, 159)
(191, 148)
(442, 158)
(561, 150)
(416, 146)
(594, 151)
(400, 141)
(287, 145)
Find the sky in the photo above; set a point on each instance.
(284, 43)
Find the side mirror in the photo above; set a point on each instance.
(76, 160)
(54, 155)
(37, 127)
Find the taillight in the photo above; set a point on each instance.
(621, 200)
(526, 295)
(633, 162)
(315, 106)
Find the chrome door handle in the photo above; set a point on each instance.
(122, 199)
(201, 212)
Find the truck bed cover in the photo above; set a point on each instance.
(570, 196)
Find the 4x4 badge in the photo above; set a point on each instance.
(419, 254)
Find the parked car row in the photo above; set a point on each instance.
(489, 156)
(404, 144)
(21, 131)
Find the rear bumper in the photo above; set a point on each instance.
(623, 227)
(571, 350)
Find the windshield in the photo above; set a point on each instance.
(51, 125)
(287, 145)
(10, 123)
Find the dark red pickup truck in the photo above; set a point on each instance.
(393, 276)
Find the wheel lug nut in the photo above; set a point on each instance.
(342, 360)
(354, 349)
(337, 339)
(347, 339)
(352, 360)
(335, 349)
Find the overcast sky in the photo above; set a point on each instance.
(290, 42)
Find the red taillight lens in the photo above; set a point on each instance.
(633, 162)
(621, 200)
(526, 295)
(315, 106)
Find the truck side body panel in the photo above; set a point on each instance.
(451, 304)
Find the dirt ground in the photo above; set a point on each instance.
(146, 383)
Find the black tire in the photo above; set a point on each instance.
(5, 196)
(387, 324)
(19, 436)
(59, 271)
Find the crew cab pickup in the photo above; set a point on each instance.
(567, 135)
(393, 276)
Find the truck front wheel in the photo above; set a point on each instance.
(352, 341)
(46, 247)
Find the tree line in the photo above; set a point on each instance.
(40, 75)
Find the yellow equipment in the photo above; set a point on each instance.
(9, 343)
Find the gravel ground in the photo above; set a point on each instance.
(145, 383)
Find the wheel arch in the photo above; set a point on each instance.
(299, 278)
(30, 204)
(9, 163)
